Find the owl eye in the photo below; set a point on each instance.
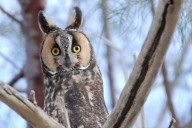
(55, 51)
(76, 49)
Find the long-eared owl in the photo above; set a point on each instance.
(72, 79)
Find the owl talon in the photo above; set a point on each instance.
(32, 97)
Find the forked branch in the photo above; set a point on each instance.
(147, 65)
(33, 114)
(11, 16)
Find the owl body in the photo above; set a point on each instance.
(72, 79)
(76, 94)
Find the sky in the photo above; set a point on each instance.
(127, 36)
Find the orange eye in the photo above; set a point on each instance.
(76, 49)
(55, 51)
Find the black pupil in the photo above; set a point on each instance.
(76, 48)
(55, 51)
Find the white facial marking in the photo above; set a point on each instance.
(72, 56)
(58, 40)
(52, 72)
(84, 67)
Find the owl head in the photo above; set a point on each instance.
(65, 48)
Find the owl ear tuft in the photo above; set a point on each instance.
(76, 19)
(45, 23)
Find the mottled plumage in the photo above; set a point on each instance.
(73, 82)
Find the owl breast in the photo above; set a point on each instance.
(76, 95)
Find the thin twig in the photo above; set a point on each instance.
(172, 122)
(168, 92)
(8, 60)
(16, 78)
(122, 58)
(109, 53)
(176, 77)
(178, 67)
(11, 16)
(118, 50)
(153, 7)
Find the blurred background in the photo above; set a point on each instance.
(117, 30)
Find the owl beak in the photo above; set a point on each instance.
(67, 62)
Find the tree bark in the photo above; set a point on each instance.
(33, 38)
(33, 114)
(147, 65)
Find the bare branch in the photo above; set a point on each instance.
(153, 7)
(172, 122)
(122, 57)
(177, 76)
(143, 120)
(178, 66)
(147, 66)
(33, 114)
(168, 92)
(9, 60)
(109, 53)
(11, 16)
(16, 78)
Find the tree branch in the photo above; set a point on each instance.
(143, 120)
(168, 92)
(11, 16)
(109, 53)
(147, 66)
(16, 78)
(33, 114)
(153, 7)
(8, 60)
(171, 122)
(179, 64)
(122, 56)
